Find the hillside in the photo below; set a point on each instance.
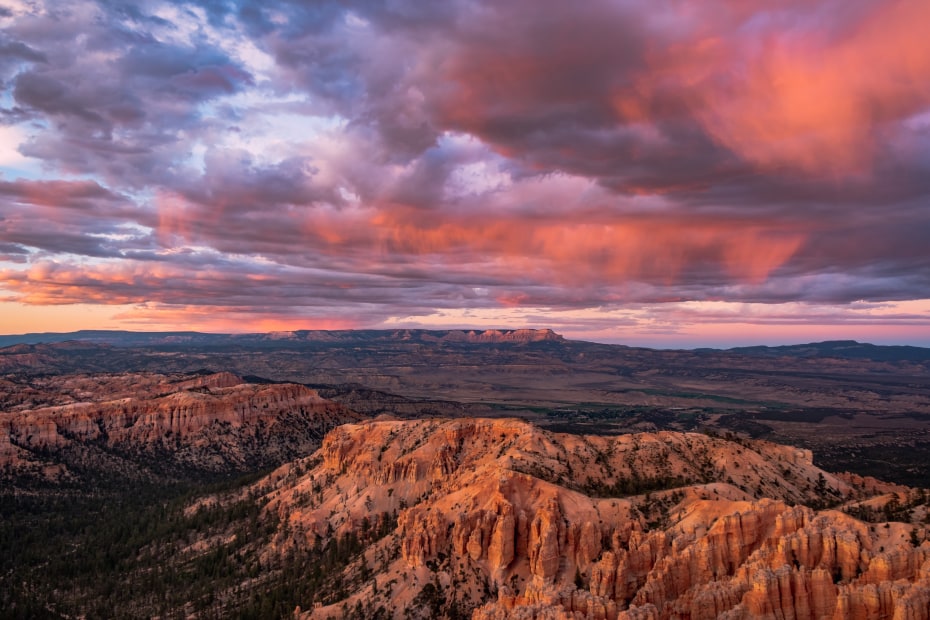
(841, 349)
(511, 521)
(483, 519)
(139, 425)
(867, 413)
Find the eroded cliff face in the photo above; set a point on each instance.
(501, 519)
(503, 336)
(210, 422)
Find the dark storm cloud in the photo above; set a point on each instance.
(19, 51)
(13, 253)
(46, 94)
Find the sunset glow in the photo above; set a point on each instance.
(672, 174)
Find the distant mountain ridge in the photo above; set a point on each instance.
(282, 339)
(842, 349)
(836, 349)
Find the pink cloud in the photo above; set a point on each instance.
(818, 100)
(476, 156)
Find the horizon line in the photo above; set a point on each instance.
(35, 337)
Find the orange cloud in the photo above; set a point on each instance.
(756, 253)
(817, 101)
(172, 216)
(223, 319)
(809, 86)
(53, 283)
(592, 249)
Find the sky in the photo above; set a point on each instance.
(668, 173)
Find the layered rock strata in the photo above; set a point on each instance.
(210, 422)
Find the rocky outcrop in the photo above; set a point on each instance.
(501, 549)
(522, 523)
(544, 550)
(735, 572)
(210, 422)
(496, 336)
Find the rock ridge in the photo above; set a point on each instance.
(515, 522)
(211, 421)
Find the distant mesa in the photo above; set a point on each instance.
(506, 335)
(284, 338)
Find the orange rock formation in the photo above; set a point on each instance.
(515, 522)
(197, 413)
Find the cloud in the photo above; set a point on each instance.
(377, 160)
(113, 100)
(73, 218)
(17, 50)
(803, 99)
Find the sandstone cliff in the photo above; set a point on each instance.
(508, 521)
(212, 422)
(503, 336)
